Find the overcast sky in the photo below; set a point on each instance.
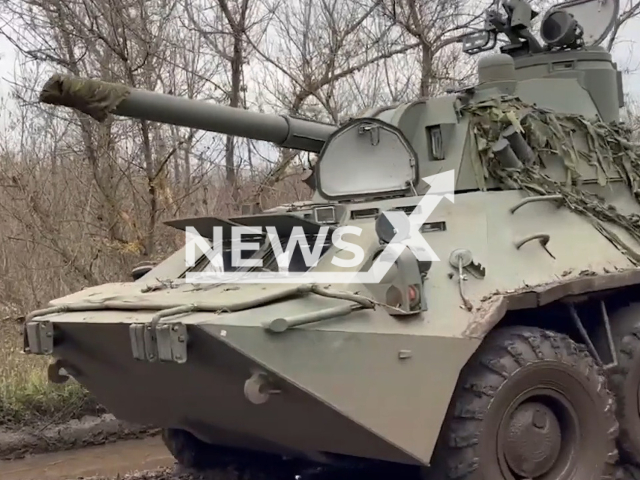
(626, 54)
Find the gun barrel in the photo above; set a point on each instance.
(99, 99)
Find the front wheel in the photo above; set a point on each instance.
(530, 404)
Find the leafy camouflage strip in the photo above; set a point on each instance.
(95, 98)
(608, 149)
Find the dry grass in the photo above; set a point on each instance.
(26, 396)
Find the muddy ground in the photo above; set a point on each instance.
(104, 448)
(136, 459)
(172, 474)
(99, 448)
(76, 434)
(87, 447)
(70, 458)
(102, 461)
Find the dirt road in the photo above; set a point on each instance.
(136, 459)
(143, 459)
(107, 460)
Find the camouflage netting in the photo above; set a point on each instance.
(95, 98)
(605, 147)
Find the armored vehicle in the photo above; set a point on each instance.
(429, 352)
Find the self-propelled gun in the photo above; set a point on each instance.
(499, 342)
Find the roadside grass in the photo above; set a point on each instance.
(27, 398)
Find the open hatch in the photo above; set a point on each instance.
(366, 158)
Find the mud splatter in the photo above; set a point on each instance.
(75, 434)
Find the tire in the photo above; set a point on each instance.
(191, 452)
(624, 381)
(547, 393)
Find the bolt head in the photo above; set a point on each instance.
(539, 419)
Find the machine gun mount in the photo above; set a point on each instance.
(571, 25)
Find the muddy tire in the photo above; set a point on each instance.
(524, 401)
(192, 453)
(189, 451)
(624, 381)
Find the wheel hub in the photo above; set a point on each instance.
(533, 439)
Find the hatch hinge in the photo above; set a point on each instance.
(38, 337)
(164, 342)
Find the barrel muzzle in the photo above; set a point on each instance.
(94, 97)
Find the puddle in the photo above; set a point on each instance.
(104, 460)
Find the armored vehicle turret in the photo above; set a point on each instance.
(407, 339)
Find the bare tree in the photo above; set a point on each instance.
(88, 195)
(312, 48)
(225, 27)
(435, 26)
(630, 10)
